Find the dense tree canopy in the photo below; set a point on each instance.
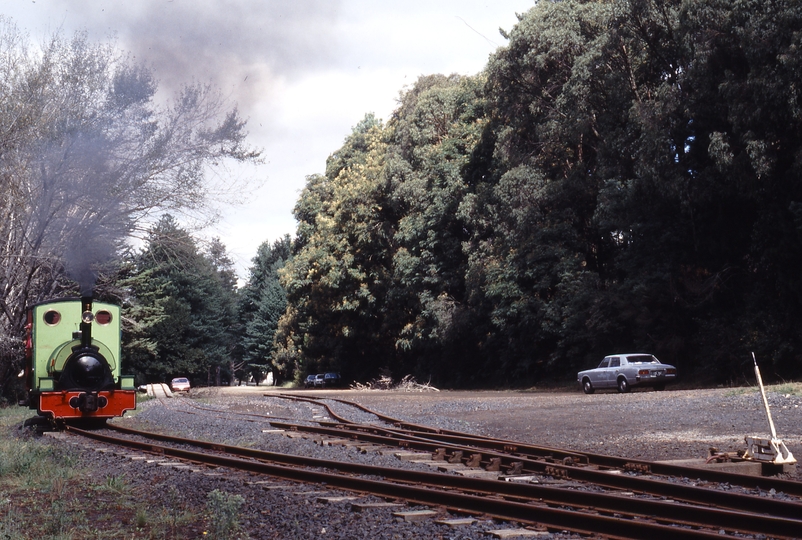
(432, 137)
(182, 309)
(624, 175)
(337, 279)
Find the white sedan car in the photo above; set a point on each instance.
(180, 384)
(624, 371)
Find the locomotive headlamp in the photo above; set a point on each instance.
(87, 317)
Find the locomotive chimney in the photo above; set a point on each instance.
(86, 321)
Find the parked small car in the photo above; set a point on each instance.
(331, 379)
(319, 381)
(310, 381)
(625, 371)
(180, 384)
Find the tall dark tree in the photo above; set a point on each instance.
(262, 302)
(227, 323)
(644, 187)
(559, 95)
(180, 308)
(432, 137)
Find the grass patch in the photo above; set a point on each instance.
(48, 491)
(739, 391)
(792, 388)
(223, 509)
(786, 389)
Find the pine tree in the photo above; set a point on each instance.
(262, 302)
(182, 305)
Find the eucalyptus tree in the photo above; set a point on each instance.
(89, 157)
(433, 136)
(643, 186)
(555, 94)
(338, 276)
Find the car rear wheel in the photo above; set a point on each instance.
(587, 386)
(623, 385)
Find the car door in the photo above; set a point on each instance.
(611, 373)
(598, 376)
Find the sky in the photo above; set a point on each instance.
(302, 72)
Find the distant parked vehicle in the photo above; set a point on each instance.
(310, 381)
(331, 379)
(625, 371)
(180, 384)
(320, 380)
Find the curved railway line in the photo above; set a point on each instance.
(608, 496)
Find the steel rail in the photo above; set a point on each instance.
(393, 438)
(788, 487)
(628, 527)
(222, 413)
(514, 450)
(610, 479)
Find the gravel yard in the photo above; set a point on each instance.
(649, 425)
(642, 424)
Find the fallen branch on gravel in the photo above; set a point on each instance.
(385, 382)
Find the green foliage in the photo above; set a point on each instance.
(116, 483)
(262, 302)
(433, 138)
(788, 389)
(223, 509)
(623, 176)
(27, 463)
(624, 210)
(337, 279)
(182, 303)
(11, 523)
(38, 499)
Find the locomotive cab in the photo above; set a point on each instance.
(73, 361)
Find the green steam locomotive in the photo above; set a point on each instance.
(72, 361)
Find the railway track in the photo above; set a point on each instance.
(616, 511)
(521, 458)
